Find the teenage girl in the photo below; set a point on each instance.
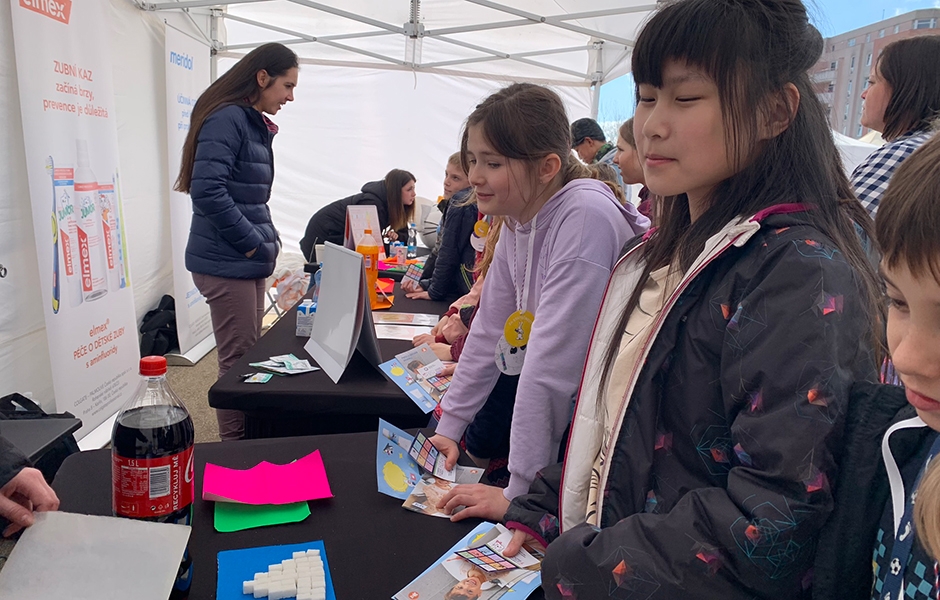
(561, 235)
(711, 406)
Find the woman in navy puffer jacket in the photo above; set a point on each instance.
(228, 169)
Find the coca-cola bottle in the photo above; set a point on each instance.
(152, 459)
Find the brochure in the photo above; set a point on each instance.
(408, 371)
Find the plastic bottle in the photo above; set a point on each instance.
(91, 252)
(370, 255)
(152, 459)
(412, 241)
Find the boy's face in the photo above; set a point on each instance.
(914, 337)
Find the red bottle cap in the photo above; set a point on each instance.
(152, 366)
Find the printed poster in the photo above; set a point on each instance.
(187, 75)
(67, 104)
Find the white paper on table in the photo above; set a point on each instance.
(81, 557)
(385, 331)
(394, 318)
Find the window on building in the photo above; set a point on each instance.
(852, 66)
(865, 84)
(833, 48)
(897, 28)
(925, 24)
(832, 87)
(845, 113)
(849, 92)
(868, 61)
(881, 33)
(858, 132)
(867, 37)
(851, 42)
(832, 66)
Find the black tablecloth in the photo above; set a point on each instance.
(373, 545)
(311, 403)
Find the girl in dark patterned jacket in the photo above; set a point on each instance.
(713, 397)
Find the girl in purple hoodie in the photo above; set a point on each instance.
(562, 234)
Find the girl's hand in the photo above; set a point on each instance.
(483, 501)
(442, 351)
(520, 537)
(453, 329)
(424, 338)
(448, 369)
(392, 236)
(448, 448)
(250, 254)
(410, 286)
(422, 295)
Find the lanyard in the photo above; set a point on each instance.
(522, 295)
(904, 529)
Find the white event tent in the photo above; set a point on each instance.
(383, 84)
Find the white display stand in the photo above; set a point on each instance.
(343, 323)
(194, 355)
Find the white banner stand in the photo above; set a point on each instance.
(343, 324)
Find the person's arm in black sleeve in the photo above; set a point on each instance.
(457, 230)
(536, 512)
(23, 490)
(12, 461)
(799, 340)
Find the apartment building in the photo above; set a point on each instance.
(841, 74)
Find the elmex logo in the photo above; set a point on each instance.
(60, 10)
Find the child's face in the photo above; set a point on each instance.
(501, 184)
(680, 134)
(626, 158)
(914, 338)
(408, 193)
(454, 180)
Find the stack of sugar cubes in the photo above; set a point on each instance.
(302, 577)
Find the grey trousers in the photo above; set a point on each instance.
(236, 307)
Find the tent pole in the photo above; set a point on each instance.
(214, 17)
(597, 79)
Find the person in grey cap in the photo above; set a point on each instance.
(589, 141)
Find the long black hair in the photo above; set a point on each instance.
(239, 85)
(752, 50)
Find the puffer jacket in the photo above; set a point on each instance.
(230, 189)
(12, 461)
(722, 452)
(329, 223)
(452, 275)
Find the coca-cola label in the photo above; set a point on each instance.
(152, 487)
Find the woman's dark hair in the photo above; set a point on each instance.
(525, 122)
(399, 215)
(912, 68)
(239, 85)
(626, 132)
(772, 45)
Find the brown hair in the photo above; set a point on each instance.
(626, 132)
(927, 509)
(489, 250)
(239, 85)
(399, 215)
(909, 213)
(454, 160)
(912, 68)
(525, 122)
(608, 175)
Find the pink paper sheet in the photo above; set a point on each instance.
(267, 483)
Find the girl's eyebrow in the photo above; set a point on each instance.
(684, 78)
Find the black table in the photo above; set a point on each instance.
(311, 403)
(373, 545)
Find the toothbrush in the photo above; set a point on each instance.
(50, 168)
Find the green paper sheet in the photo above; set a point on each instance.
(230, 516)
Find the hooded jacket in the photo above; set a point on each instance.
(231, 185)
(452, 273)
(722, 452)
(329, 223)
(578, 235)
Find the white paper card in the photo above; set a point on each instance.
(81, 557)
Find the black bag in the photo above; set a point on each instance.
(17, 406)
(158, 329)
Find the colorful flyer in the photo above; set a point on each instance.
(405, 371)
(395, 472)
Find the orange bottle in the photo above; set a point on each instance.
(370, 254)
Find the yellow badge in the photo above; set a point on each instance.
(481, 228)
(518, 327)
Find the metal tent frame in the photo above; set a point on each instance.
(599, 46)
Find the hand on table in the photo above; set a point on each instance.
(448, 448)
(442, 351)
(26, 493)
(448, 369)
(408, 285)
(424, 338)
(483, 501)
(520, 537)
(422, 295)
